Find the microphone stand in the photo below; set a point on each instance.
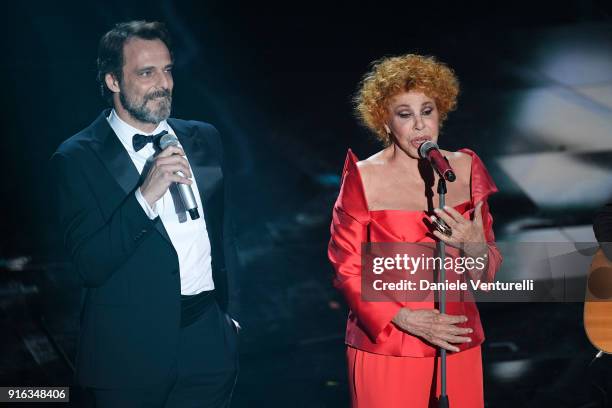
(441, 249)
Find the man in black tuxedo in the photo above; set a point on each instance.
(159, 286)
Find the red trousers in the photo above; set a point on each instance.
(379, 381)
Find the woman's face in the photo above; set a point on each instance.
(413, 118)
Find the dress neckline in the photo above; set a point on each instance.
(413, 211)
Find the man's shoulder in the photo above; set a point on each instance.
(201, 126)
(76, 144)
(81, 141)
(199, 131)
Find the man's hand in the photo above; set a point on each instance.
(163, 173)
(429, 324)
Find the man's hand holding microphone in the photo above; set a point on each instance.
(170, 166)
(163, 172)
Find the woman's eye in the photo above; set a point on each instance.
(427, 111)
(404, 114)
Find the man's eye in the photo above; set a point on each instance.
(145, 73)
(168, 69)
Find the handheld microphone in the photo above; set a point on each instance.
(185, 190)
(430, 151)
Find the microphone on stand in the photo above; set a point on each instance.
(185, 190)
(430, 151)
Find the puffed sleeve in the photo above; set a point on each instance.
(348, 231)
(482, 186)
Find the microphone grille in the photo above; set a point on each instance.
(168, 140)
(426, 147)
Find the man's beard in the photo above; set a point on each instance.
(138, 108)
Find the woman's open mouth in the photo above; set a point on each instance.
(417, 141)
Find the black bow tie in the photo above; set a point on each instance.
(140, 141)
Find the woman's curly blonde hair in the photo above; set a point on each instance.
(390, 76)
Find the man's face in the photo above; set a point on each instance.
(145, 90)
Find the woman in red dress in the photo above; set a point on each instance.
(393, 347)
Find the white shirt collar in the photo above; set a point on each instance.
(125, 131)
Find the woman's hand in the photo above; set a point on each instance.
(429, 324)
(466, 235)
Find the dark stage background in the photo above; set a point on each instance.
(277, 81)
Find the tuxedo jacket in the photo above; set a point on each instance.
(129, 270)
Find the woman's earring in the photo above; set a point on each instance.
(388, 130)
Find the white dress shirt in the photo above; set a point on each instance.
(189, 237)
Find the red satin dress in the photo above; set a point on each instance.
(388, 367)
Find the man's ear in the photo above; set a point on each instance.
(111, 82)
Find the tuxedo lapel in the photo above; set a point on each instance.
(114, 156)
(117, 160)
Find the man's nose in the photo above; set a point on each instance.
(164, 81)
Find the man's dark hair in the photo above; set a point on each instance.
(110, 50)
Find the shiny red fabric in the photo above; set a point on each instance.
(369, 325)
